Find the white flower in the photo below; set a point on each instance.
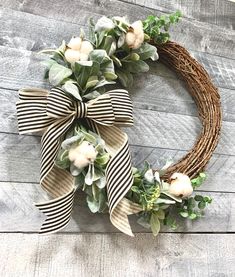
(135, 35)
(83, 155)
(104, 24)
(180, 185)
(78, 50)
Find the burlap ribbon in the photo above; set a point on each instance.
(53, 113)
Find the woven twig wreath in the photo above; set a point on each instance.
(207, 99)
(83, 146)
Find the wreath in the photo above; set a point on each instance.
(83, 147)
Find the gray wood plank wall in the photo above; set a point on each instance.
(166, 127)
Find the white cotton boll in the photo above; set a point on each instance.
(135, 36)
(82, 155)
(88, 150)
(130, 39)
(72, 55)
(138, 27)
(86, 47)
(137, 43)
(81, 162)
(180, 185)
(75, 43)
(83, 57)
(141, 36)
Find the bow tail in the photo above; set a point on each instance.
(31, 111)
(57, 182)
(119, 178)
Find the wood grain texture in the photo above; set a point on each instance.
(193, 255)
(21, 159)
(166, 127)
(21, 28)
(18, 197)
(22, 68)
(220, 12)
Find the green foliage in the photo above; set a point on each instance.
(193, 207)
(196, 182)
(111, 60)
(157, 28)
(90, 179)
(159, 206)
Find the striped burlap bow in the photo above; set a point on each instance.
(53, 113)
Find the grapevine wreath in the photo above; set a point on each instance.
(83, 147)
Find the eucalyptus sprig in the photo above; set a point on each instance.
(157, 28)
(160, 206)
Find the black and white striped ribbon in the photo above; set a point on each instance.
(53, 113)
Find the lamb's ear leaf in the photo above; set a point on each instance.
(89, 175)
(92, 82)
(125, 78)
(135, 66)
(58, 73)
(72, 89)
(147, 51)
(155, 224)
(92, 204)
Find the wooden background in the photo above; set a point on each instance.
(166, 127)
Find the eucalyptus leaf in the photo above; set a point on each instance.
(58, 73)
(184, 214)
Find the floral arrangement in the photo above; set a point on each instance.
(82, 144)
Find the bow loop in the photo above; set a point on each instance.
(53, 113)
(59, 105)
